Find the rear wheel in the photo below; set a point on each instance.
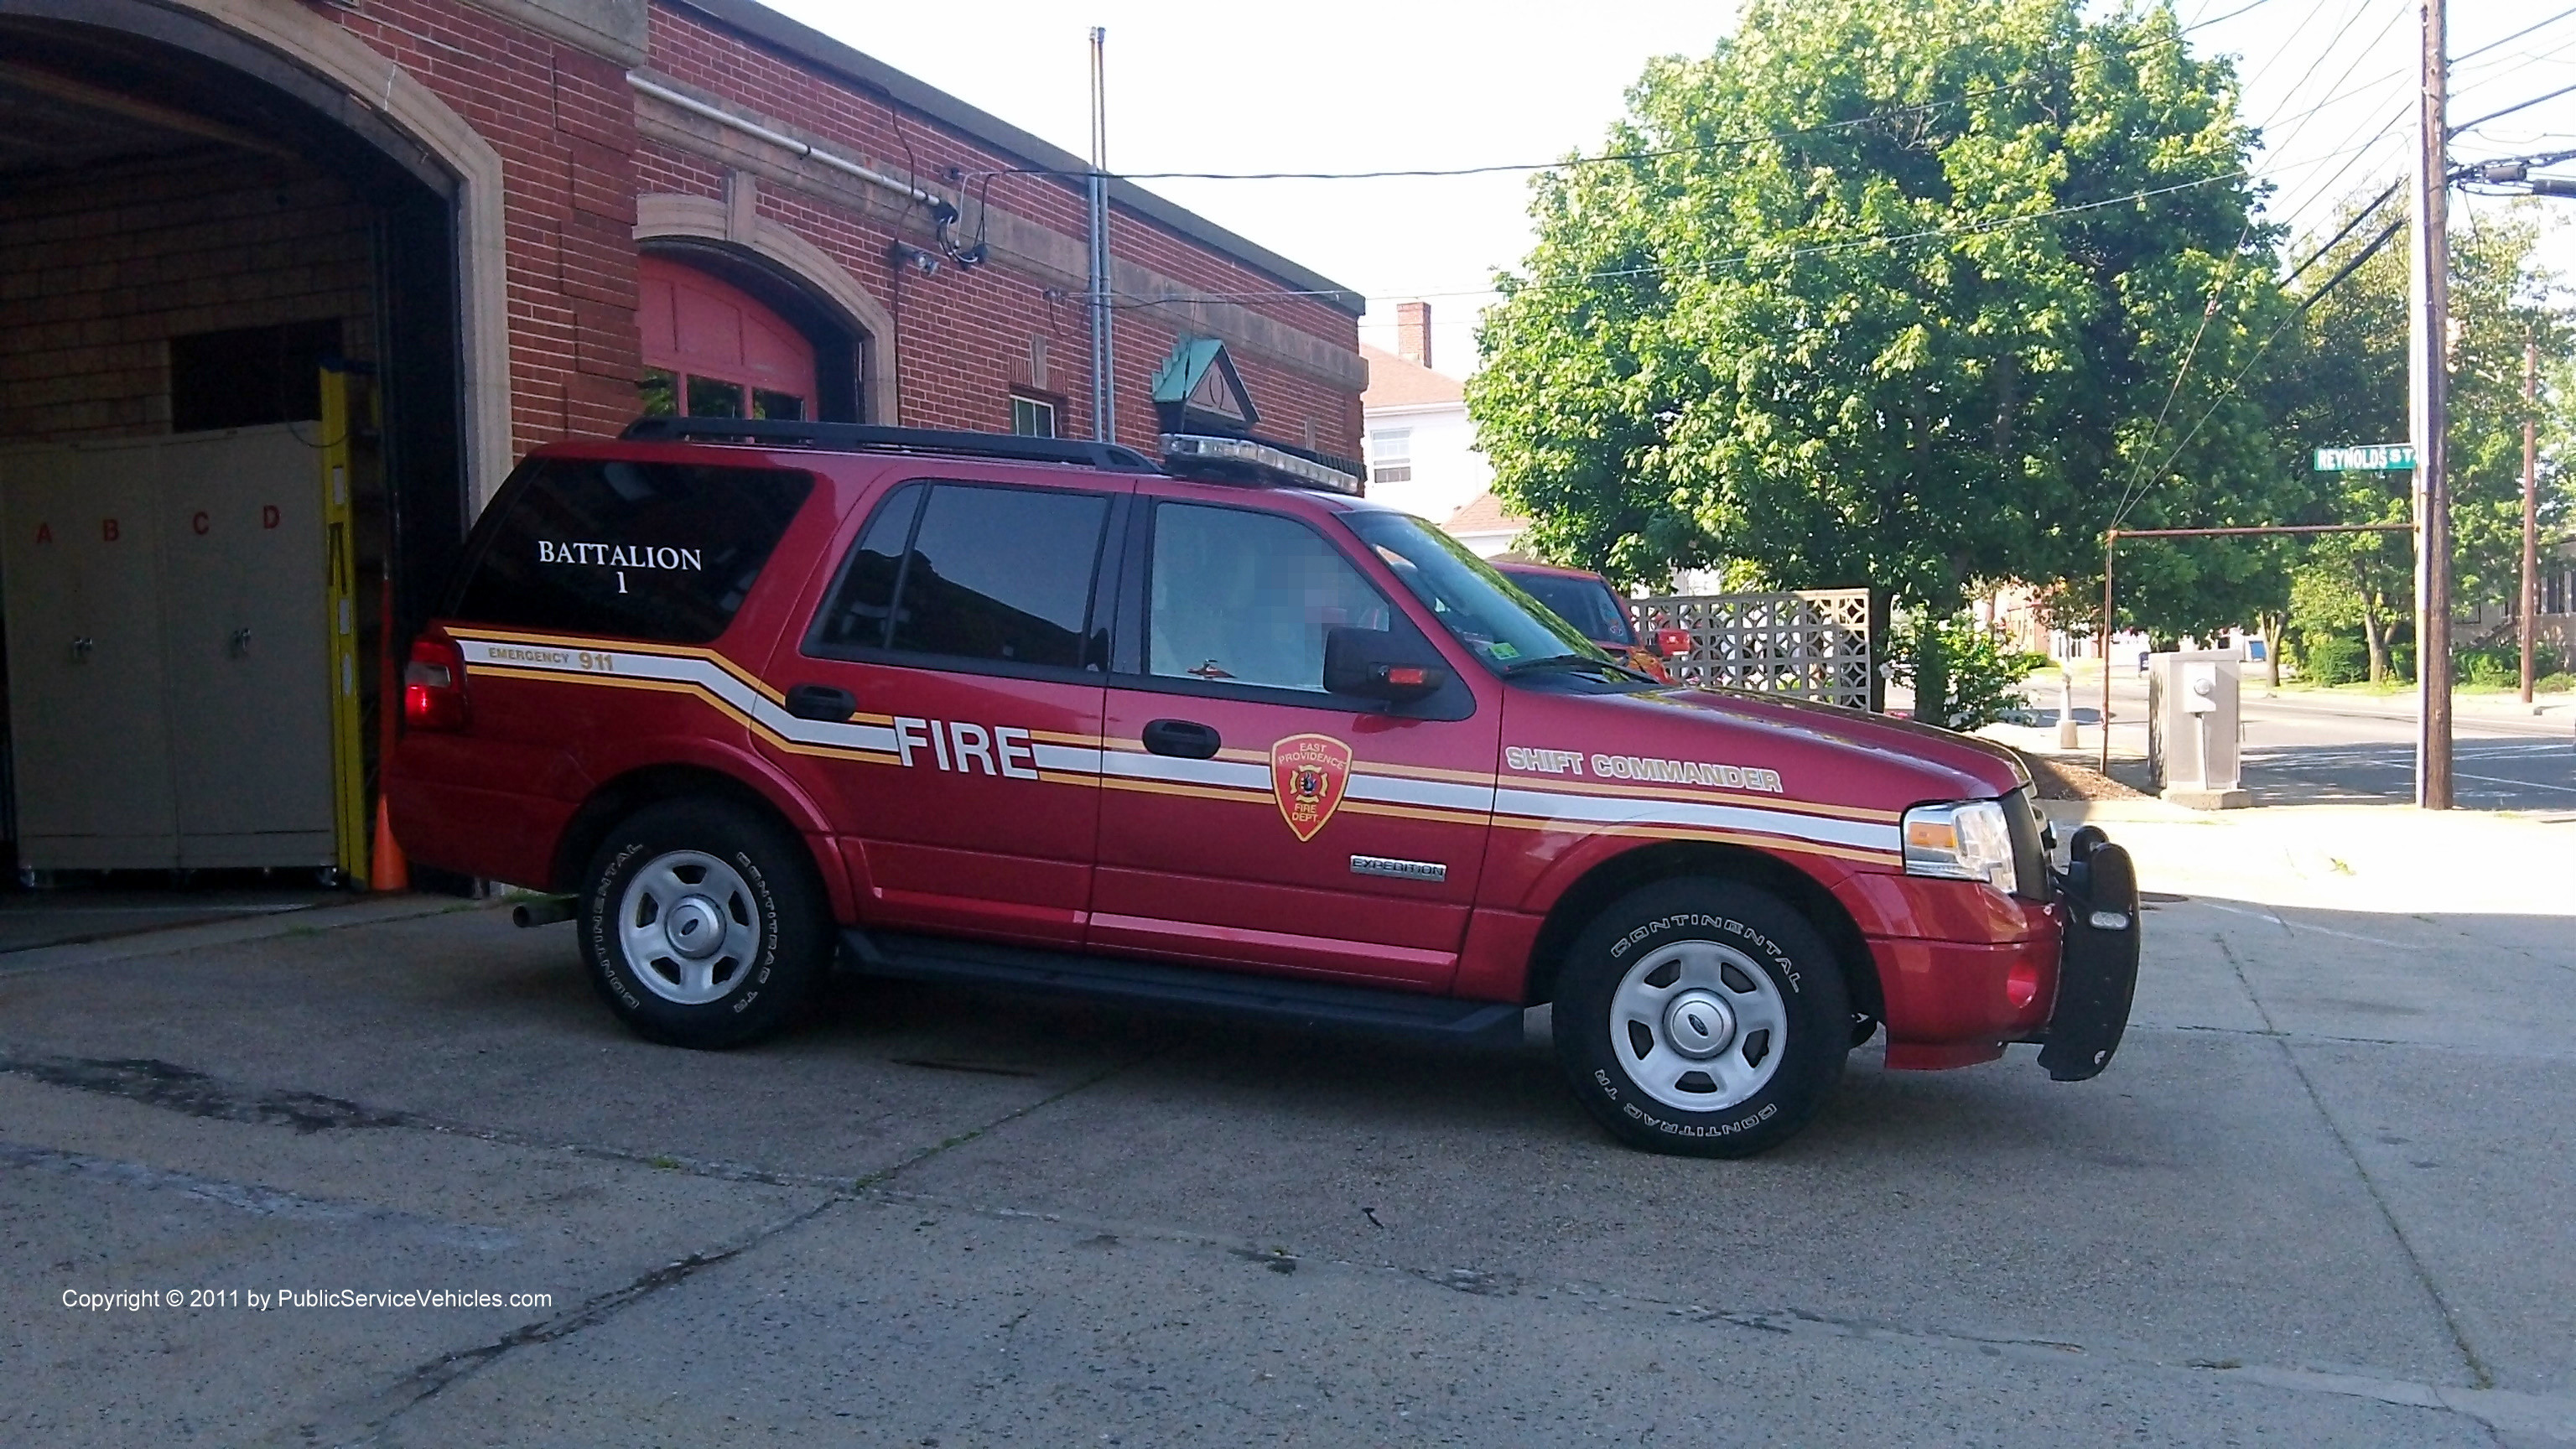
(1702, 1017)
(703, 924)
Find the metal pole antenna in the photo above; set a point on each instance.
(2428, 407)
(1104, 357)
(2530, 503)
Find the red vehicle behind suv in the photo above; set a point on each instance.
(1587, 601)
(1050, 716)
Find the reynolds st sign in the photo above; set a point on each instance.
(2373, 458)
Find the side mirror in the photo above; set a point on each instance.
(1673, 643)
(1367, 663)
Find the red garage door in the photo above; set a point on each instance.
(711, 351)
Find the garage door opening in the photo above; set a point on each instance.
(230, 468)
(725, 335)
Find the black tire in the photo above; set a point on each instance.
(1714, 929)
(774, 949)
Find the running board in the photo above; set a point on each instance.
(1279, 1000)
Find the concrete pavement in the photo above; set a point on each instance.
(2320, 1198)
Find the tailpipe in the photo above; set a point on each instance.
(543, 911)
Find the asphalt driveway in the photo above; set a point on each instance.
(2322, 1197)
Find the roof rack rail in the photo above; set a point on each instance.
(876, 438)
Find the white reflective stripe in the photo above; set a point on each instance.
(1187, 772)
(1067, 759)
(1400, 790)
(1631, 810)
(681, 669)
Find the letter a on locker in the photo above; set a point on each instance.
(1308, 774)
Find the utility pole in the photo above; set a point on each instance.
(1104, 358)
(2428, 323)
(2530, 502)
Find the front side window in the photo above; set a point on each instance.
(975, 573)
(1240, 597)
(662, 551)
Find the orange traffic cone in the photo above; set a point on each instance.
(387, 870)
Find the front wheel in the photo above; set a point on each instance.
(703, 924)
(1702, 1017)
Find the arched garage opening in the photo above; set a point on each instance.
(202, 237)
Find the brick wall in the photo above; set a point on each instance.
(563, 122)
(966, 333)
(100, 269)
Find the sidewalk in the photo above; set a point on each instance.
(2376, 859)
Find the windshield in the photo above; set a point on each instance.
(1585, 603)
(1504, 627)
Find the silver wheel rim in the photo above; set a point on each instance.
(1698, 1026)
(689, 927)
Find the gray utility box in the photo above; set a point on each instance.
(2194, 729)
(169, 674)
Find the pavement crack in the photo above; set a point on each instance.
(878, 1179)
(2479, 1373)
(363, 1422)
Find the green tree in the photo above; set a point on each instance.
(1897, 294)
(2343, 380)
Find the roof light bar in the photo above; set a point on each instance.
(1241, 460)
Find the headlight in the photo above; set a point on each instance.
(1969, 840)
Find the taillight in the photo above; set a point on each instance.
(434, 686)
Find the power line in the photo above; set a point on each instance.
(2517, 35)
(2509, 110)
(2349, 227)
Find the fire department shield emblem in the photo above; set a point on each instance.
(1308, 773)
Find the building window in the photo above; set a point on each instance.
(1032, 417)
(1391, 456)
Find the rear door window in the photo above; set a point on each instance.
(661, 551)
(973, 574)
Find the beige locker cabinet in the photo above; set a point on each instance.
(168, 678)
(86, 727)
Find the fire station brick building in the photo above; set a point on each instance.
(507, 222)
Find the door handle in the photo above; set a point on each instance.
(822, 702)
(1185, 739)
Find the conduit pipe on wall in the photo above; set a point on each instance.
(941, 212)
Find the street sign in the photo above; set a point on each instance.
(2375, 458)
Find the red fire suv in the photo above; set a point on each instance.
(1204, 732)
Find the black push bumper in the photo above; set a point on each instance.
(2097, 972)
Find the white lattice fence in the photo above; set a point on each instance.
(1813, 644)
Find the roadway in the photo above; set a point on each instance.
(2321, 748)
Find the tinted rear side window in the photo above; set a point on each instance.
(971, 572)
(662, 551)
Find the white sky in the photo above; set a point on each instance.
(1335, 86)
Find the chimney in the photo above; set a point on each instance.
(1413, 332)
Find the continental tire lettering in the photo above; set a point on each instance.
(768, 930)
(1721, 925)
(602, 949)
(1713, 1129)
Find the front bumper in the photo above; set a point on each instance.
(2097, 969)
